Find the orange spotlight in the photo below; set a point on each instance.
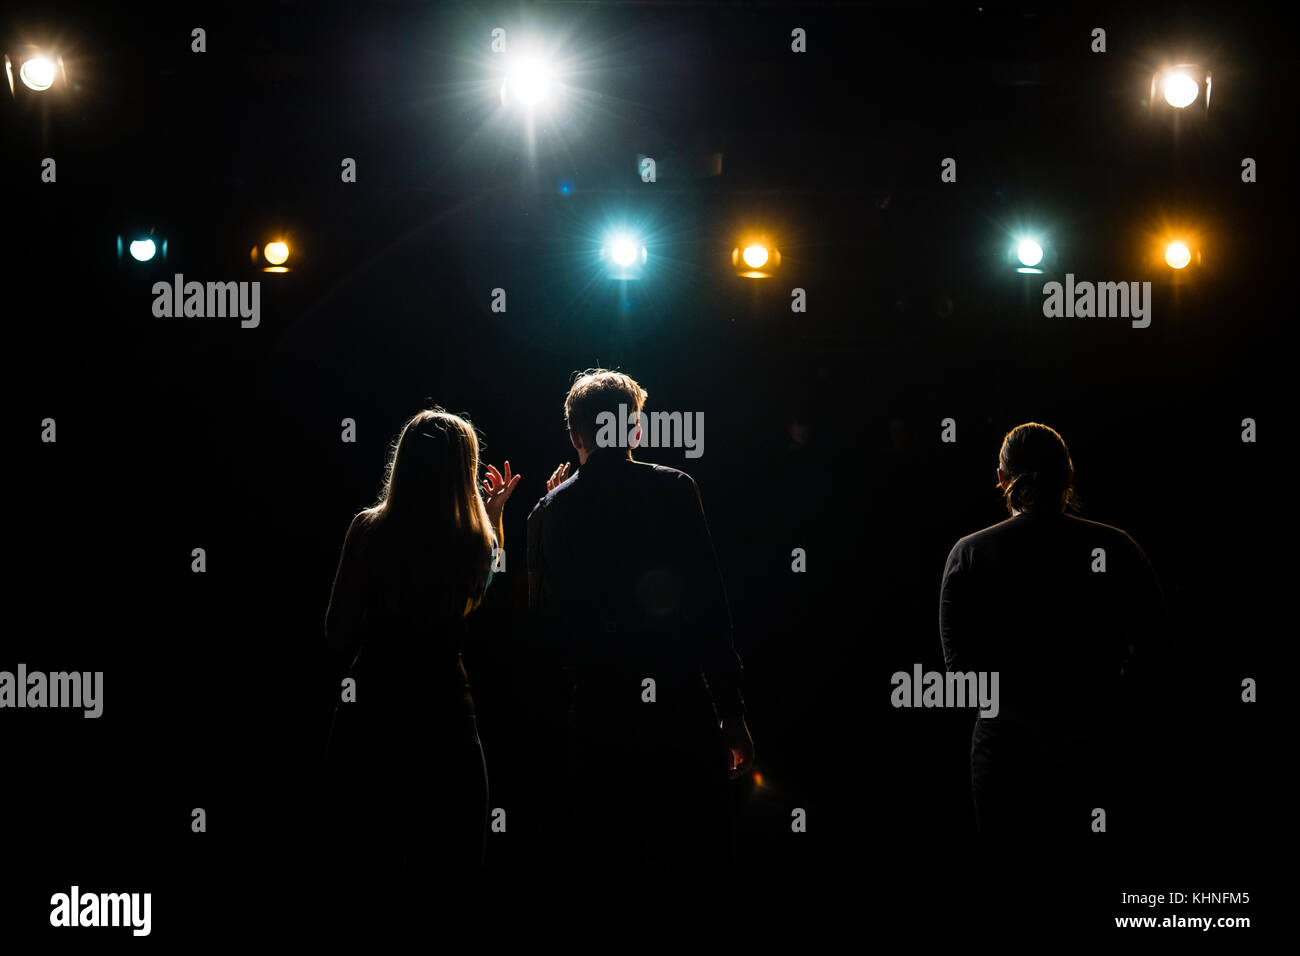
(274, 256)
(755, 257)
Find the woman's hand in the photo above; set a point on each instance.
(497, 491)
(558, 477)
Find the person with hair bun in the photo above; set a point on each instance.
(1061, 608)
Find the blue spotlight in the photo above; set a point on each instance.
(1029, 255)
(144, 247)
(142, 250)
(624, 255)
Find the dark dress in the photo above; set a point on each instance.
(406, 780)
(1022, 598)
(626, 586)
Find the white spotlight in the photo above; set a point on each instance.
(37, 73)
(1029, 253)
(529, 81)
(1180, 90)
(623, 252)
(626, 256)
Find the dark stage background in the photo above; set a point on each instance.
(183, 433)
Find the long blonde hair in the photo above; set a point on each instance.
(429, 523)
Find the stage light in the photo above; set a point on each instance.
(1182, 86)
(1177, 255)
(1029, 252)
(275, 256)
(755, 258)
(1175, 246)
(142, 250)
(35, 69)
(1029, 249)
(624, 252)
(1180, 90)
(529, 81)
(37, 73)
(626, 255)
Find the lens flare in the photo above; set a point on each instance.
(755, 256)
(276, 253)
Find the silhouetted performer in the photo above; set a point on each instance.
(622, 572)
(1029, 598)
(406, 777)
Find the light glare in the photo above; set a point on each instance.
(529, 81)
(142, 250)
(1180, 90)
(755, 256)
(37, 73)
(1030, 253)
(1178, 255)
(276, 253)
(623, 252)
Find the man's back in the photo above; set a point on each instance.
(624, 580)
(622, 572)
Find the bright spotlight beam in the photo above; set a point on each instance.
(623, 252)
(1029, 253)
(626, 255)
(1177, 255)
(755, 256)
(529, 81)
(142, 250)
(37, 73)
(1180, 90)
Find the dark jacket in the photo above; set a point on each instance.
(1024, 598)
(623, 578)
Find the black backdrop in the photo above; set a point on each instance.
(183, 433)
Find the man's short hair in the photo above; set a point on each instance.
(599, 390)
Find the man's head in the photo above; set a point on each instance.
(595, 391)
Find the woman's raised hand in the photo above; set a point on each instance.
(497, 489)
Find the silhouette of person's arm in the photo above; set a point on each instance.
(1150, 649)
(541, 603)
(345, 618)
(536, 567)
(708, 620)
(951, 606)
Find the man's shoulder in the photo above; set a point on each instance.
(662, 481)
(560, 492)
(663, 473)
